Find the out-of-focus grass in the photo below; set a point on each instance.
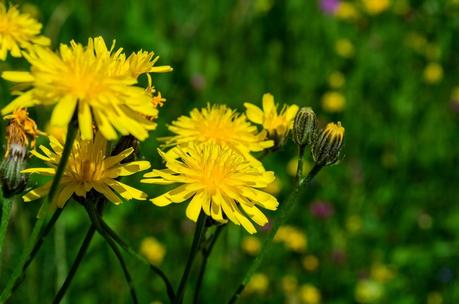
(393, 235)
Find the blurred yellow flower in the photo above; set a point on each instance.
(259, 283)
(18, 32)
(434, 297)
(221, 125)
(293, 238)
(375, 7)
(381, 273)
(219, 181)
(433, 73)
(344, 48)
(333, 102)
(153, 250)
(354, 223)
(368, 291)
(310, 262)
(336, 80)
(289, 284)
(251, 245)
(88, 168)
(274, 188)
(309, 294)
(94, 81)
(31, 9)
(347, 11)
(293, 164)
(276, 124)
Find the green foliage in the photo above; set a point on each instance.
(394, 194)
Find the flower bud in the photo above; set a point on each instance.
(326, 148)
(304, 127)
(20, 134)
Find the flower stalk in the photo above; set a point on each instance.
(6, 210)
(198, 234)
(42, 218)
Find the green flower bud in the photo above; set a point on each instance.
(304, 127)
(13, 181)
(326, 148)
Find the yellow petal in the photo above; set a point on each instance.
(268, 103)
(64, 195)
(107, 192)
(37, 193)
(291, 112)
(254, 113)
(63, 111)
(128, 169)
(126, 191)
(17, 76)
(42, 171)
(23, 101)
(194, 207)
(85, 120)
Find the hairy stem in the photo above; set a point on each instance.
(284, 210)
(205, 257)
(37, 229)
(6, 210)
(76, 264)
(200, 225)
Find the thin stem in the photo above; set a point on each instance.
(76, 264)
(205, 257)
(284, 210)
(37, 246)
(6, 210)
(126, 247)
(194, 250)
(95, 220)
(299, 168)
(36, 231)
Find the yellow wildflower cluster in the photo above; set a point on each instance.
(153, 250)
(18, 32)
(293, 238)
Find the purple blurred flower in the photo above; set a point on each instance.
(329, 6)
(321, 209)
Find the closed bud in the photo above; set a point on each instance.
(304, 127)
(326, 148)
(20, 134)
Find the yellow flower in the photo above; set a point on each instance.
(259, 283)
(274, 188)
(94, 81)
(336, 80)
(433, 73)
(88, 168)
(153, 250)
(221, 125)
(434, 297)
(344, 48)
(310, 262)
(381, 273)
(346, 11)
(368, 291)
(18, 32)
(219, 181)
(276, 124)
(309, 294)
(375, 7)
(251, 245)
(333, 102)
(354, 223)
(289, 284)
(293, 238)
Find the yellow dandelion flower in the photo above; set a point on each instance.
(88, 168)
(94, 81)
(289, 284)
(347, 11)
(18, 32)
(368, 291)
(333, 102)
(433, 73)
(375, 7)
(276, 124)
(310, 262)
(293, 238)
(220, 125)
(259, 283)
(309, 294)
(153, 250)
(344, 48)
(251, 245)
(219, 181)
(336, 80)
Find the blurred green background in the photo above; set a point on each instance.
(380, 227)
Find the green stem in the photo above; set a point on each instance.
(90, 207)
(284, 210)
(76, 264)
(36, 231)
(37, 246)
(127, 248)
(194, 250)
(205, 257)
(6, 210)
